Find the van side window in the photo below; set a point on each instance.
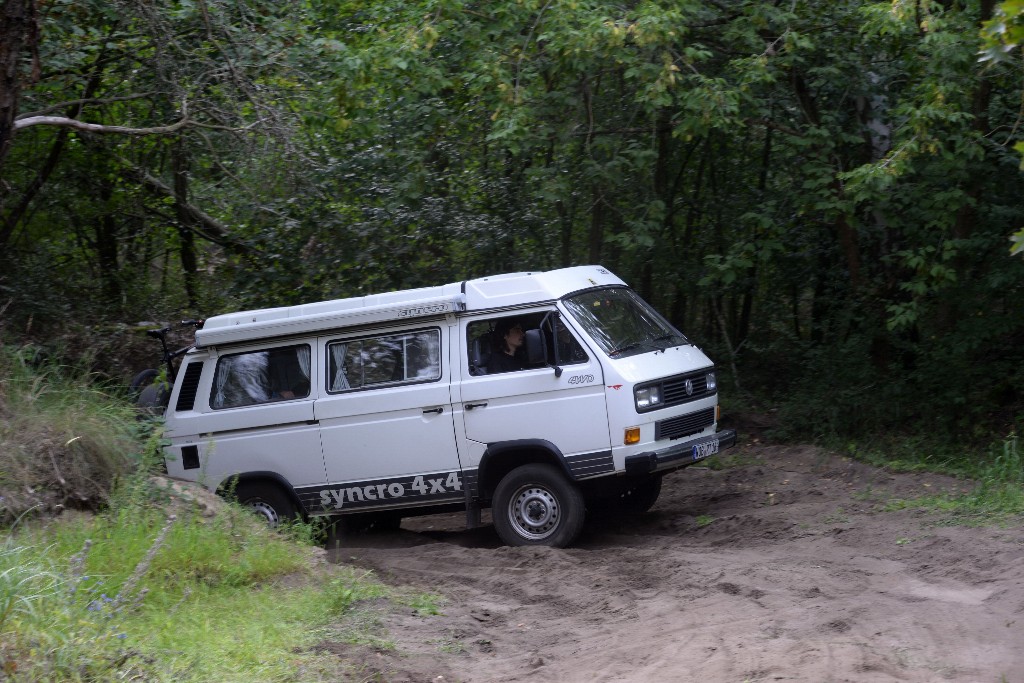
(245, 379)
(382, 361)
(486, 341)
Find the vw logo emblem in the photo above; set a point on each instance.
(689, 387)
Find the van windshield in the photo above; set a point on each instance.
(622, 323)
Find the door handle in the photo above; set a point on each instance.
(470, 406)
(437, 410)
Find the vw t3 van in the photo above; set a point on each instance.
(538, 395)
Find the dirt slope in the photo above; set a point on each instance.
(778, 570)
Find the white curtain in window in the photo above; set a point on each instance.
(339, 382)
(242, 380)
(302, 353)
(220, 380)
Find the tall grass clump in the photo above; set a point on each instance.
(63, 441)
(1000, 488)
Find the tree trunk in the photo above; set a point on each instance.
(596, 225)
(106, 250)
(18, 32)
(186, 221)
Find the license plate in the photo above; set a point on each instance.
(703, 450)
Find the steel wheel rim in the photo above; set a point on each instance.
(534, 512)
(266, 511)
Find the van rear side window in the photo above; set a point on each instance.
(245, 379)
(383, 361)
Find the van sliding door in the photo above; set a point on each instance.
(386, 421)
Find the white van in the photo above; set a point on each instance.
(411, 403)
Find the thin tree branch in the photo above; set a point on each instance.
(65, 122)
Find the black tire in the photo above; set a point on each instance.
(268, 501)
(142, 380)
(537, 505)
(640, 496)
(151, 398)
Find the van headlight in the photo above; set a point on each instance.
(712, 382)
(648, 397)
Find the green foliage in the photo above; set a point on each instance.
(818, 192)
(1004, 32)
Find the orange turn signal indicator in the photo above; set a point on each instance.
(632, 436)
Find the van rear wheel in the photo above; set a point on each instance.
(266, 500)
(537, 505)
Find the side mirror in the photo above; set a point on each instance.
(537, 350)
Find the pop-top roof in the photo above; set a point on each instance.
(497, 291)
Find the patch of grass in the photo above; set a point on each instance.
(838, 517)
(731, 460)
(997, 496)
(450, 643)
(425, 604)
(135, 594)
(704, 520)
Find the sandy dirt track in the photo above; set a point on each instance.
(779, 569)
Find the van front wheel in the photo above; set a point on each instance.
(536, 505)
(267, 501)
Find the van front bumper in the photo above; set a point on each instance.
(680, 454)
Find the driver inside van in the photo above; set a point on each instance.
(508, 338)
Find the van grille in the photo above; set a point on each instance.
(189, 387)
(684, 425)
(674, 388)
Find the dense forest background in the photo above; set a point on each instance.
(819, 193)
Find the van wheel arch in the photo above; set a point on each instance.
(502, 457)
(268, 493)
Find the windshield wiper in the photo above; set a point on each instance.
(633, 345)
(669, 337)
(650, 343)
